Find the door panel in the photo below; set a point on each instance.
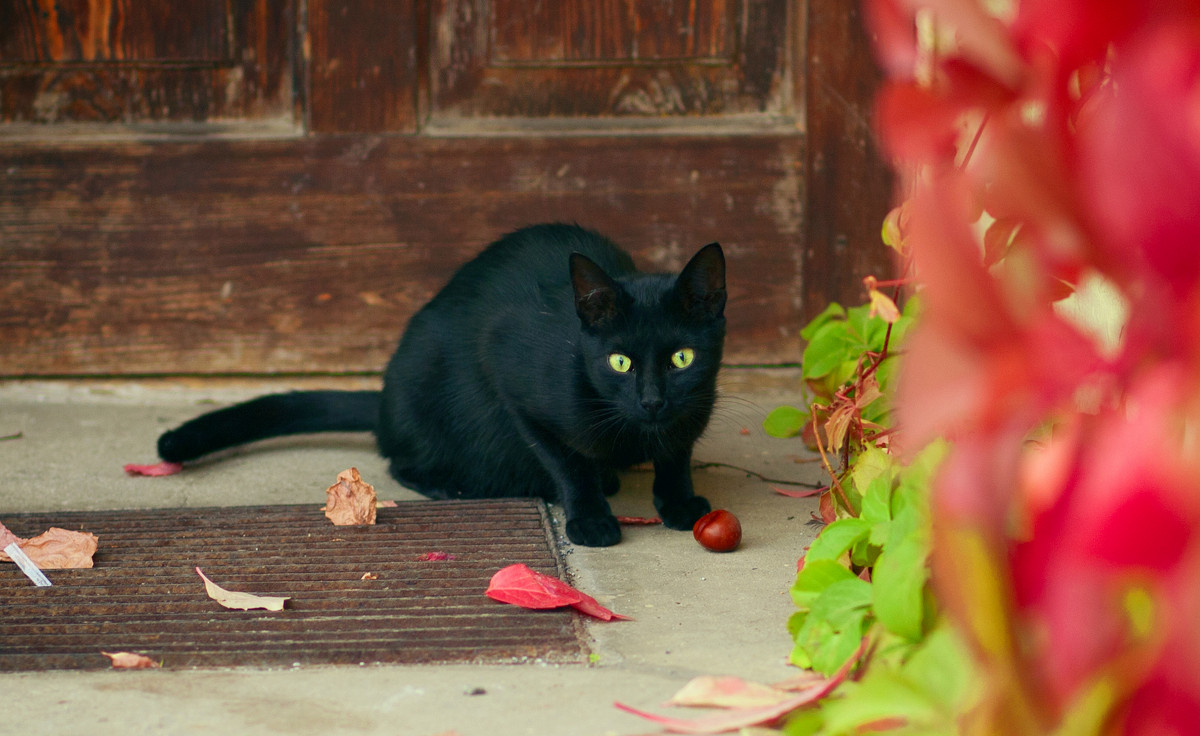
(413, 132)
(92, 30)
(505, 64)
(583, 32)
(150, 61)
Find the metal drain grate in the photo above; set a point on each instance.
(144, 596)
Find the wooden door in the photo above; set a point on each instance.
(274, 186)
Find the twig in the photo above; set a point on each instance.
(760, 476)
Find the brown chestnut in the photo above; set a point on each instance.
(719, 531)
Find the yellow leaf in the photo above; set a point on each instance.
(240, 601)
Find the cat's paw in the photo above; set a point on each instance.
(683, 514)
(594, 531)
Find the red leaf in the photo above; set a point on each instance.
(636, 520)
(158, 469)
(521, 586)
(434, 556)
(799, 494)
(828, 508)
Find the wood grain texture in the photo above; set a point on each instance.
(36, 31)
(102, 61)
(310, 255)
(661, 59)
(848, 184)
(535, 32)
(363, 66)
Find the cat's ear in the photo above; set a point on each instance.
(701, 284)
(596, 294)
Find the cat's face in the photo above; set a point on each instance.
(652, 344)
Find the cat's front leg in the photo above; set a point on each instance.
(581, 489)
(590, 521)
(677, 503)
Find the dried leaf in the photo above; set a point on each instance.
(434, 556)
(155, 470)
(739, 718)
(369, 576)
(55, 549)
(7, 538)
(350, 500)
(524, 587)
(240, 601)
(727, 692)
(732, 720)
(131, 661)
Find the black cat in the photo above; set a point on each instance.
(545, 364)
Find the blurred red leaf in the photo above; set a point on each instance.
(155, 470)
(521, 586)
(1140, 159)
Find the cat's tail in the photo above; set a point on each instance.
(273, 415)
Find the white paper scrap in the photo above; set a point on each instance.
(28, 566)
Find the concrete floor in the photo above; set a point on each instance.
(697, 612)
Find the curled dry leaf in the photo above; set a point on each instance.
(131, 661)
(241, 601)
(7, 537)
(350, 500)
(369, 576)
(727, 692)
(741, 717)
(54, 549)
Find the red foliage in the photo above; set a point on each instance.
(1075, 124)
(522, 586)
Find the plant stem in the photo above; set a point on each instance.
(834, 481)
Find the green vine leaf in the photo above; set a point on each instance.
(785, 421)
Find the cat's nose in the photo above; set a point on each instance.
(652, 405)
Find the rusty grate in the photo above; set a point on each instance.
(143, 595)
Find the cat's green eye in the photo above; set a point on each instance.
(683, 358)
(619, 363)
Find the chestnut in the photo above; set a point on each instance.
(719, 531)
